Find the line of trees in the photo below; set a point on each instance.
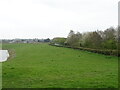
(105, 42)
(107, 39)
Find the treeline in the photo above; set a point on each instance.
(96, 41)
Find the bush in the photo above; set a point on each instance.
(105, 52)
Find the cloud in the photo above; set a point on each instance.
(52, 18)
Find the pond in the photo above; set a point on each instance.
(4, 54)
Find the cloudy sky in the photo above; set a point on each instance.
(55, 18)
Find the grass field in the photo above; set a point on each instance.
(44, 66)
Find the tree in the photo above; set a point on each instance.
(109, 33)
(92, 40)
(73, 39)
(109, 41)
(47, 40)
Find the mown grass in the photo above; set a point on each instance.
(44, 66)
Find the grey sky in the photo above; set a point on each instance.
(55, 18)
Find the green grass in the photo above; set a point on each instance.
(0, 46)
(44, 66)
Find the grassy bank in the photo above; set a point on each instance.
(45, 66)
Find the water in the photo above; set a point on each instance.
(4, 54)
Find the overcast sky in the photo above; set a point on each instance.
(55, 18)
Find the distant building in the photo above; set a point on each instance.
(25, 40)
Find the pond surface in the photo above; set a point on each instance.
(4, 54)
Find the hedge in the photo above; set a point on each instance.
(105, 52)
